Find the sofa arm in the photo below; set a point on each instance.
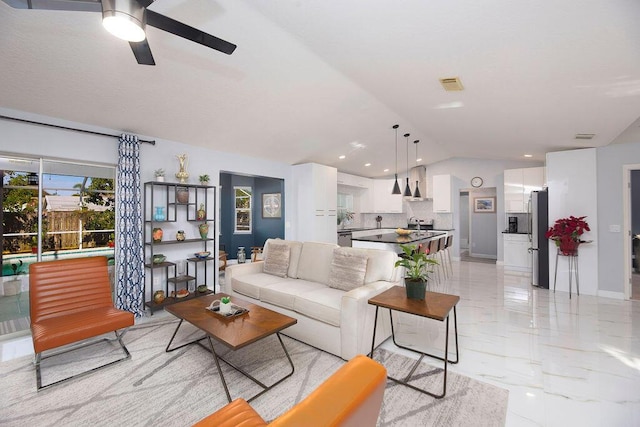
(357, 317)
(237, 270)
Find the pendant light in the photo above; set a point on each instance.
(407, 189)
(396, 186)
(417, 192)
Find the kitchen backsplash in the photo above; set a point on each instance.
(421, 210)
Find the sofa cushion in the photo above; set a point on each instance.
(294, 254)
(348, 269)
(284, 292)
(277, 260)
(251, 284)
(321, 304)
(381, 265)
(315, 261)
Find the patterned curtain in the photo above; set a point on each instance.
(129, 245)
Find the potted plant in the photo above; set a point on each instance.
(225, 305)
(566, 233)
(416, 264)
(204, 179)
(159, 173)
(14, 285)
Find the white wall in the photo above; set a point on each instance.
(572, 183)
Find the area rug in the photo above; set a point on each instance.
(182, 387)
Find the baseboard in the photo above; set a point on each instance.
(483, 256)
(611, 294)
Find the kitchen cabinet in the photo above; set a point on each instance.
(353, 181)
(316, 190)
(380, 200)
(516, 252)
(441, 193)
(518, 185)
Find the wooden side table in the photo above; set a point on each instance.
(435, 306)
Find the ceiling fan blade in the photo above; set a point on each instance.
(181, 30)
(75, 5)
(142, 52)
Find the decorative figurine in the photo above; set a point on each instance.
(182, 174)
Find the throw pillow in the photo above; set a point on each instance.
(276, 260)
(347, 270)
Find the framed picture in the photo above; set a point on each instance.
(484, 204)
(272, 205)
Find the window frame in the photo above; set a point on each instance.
(237, 210)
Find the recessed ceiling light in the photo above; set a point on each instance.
(342, 157)
(386, 170)
(367, 164)
(448, 105)
(451, 84)
(357, 145)
(528, 155)
(419, 159)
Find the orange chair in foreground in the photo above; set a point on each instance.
(351, 397)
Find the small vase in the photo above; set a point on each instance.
(415, 289)
(156, 235)
(201, 213)
(204, 230)
(159, 215)
(180, 236)
(158, 297)
(182, 195)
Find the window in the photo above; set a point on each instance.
(244, 200)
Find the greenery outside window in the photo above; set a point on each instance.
(244, 202)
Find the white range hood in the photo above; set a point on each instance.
(418, 173)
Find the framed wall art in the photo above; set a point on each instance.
(484, 204)
(272, 205)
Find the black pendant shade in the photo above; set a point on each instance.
(417, 192)
(407, 189)
(396, 186)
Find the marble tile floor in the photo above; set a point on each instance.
(565, 362)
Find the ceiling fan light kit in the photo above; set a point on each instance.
(124, 19)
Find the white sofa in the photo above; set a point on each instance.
(303, 280)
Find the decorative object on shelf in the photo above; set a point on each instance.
(271, 205)
(159, 215)
(225, 305)
(566, 233)
(396, 186)
(201, 213)
(402, 232)
(158, 297)
(242, 256)
(476, 182)
(203, 254)
(415, 261)
(158, 258)
(407, 189)
(180, 236)
(182, 194)
(378, 221)
(159, 173)
(417, 194)
(182, 293)
(484, 204)
(202, 288)
(182, 174)
(204, 230)
(204, 179)
(156, 234)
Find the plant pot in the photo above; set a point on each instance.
(225, 308)
(415, 289)
(568, 247)
(159, 178)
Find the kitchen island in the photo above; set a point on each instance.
(392, 241)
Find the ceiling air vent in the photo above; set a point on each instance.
(451, 84)
(585, 135)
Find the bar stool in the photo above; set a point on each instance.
(447, 251)
(442, 241)
(433, 254)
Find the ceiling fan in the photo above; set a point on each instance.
(126, 19)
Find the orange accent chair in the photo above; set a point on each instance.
(70, 301)
(351, 397)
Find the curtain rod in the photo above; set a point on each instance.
(69, 128)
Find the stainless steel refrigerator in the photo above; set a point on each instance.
(538, 226)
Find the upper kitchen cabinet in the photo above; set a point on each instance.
(316, 190)
(379, 198)
(441, 193)
(518, 185)
(358, 182)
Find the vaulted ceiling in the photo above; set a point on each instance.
(315, 79)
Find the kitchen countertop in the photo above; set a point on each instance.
(394, 238)
(510, 232)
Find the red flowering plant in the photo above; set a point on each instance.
(566, 232)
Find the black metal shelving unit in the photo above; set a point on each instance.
(182, 213)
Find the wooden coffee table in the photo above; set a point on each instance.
(235, 332)
(435, 306)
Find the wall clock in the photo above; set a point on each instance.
(476, 182)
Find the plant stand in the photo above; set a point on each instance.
(572, 257)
